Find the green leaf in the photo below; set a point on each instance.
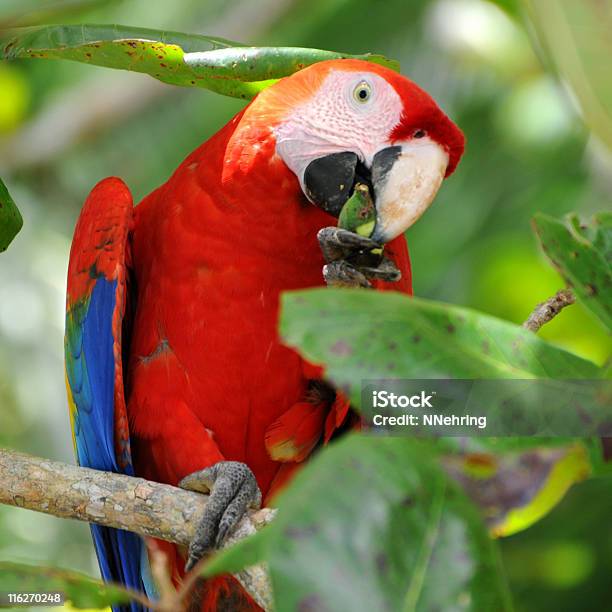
(227, 67)
(82, 591)
(374, 524)
(582, 253)
(361, 335)
(10, 218)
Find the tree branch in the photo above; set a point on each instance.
(147, 508)
(548, 310)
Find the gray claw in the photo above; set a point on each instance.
(386, 270)
(337, 243)
(233, 489)
(343, 274)
(353, 260)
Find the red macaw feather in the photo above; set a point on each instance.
(293, 436)
(336, 416)
(283, 477)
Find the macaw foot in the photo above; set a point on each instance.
(353, 260)
(233, 489)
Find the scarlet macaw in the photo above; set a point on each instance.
(172, 354)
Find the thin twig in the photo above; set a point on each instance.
(150, 509)
(548, 310)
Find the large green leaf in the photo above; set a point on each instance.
(374, 524)
(188, 60)
(10, 218)
(360, 335)
(82, 591)
(582, 253)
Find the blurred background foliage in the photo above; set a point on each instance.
(64, 126)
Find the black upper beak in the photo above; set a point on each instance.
(329, 181)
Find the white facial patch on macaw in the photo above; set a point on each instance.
(335, 119)
(357, 112)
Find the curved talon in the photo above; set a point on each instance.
(337, 243)
(353, 260)
(233, 489)
(386, 270)
(343, 274)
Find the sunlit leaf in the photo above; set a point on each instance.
(220, 65)
(374, 524)
(582, 253)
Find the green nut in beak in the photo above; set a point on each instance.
(359, 214)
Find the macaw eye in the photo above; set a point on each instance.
(362, 92)
(419, 134)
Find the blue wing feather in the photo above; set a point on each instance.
(91, 368)
(94, 374)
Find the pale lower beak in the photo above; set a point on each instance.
(405, 184)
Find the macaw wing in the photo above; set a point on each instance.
(95, 307)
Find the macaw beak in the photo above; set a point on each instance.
(403, 179)
(406, 179)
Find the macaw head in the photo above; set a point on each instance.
(340, 122)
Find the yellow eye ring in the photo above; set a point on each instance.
(362, 93)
